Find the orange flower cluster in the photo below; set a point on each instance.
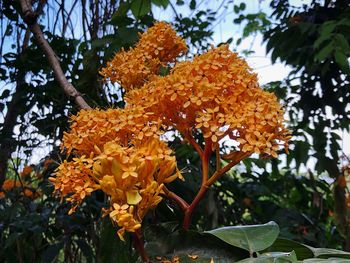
(119, 152)
(157, 46)
(92, 128)
(9, 184)
(25, 188)
(217, 94)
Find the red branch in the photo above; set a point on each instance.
(182, 203)
(206, 181)
(226, 168)
(188, 136)
(205, 175)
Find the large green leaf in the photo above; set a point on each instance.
(328, 260)
(273, 257)
(252, 237)
(328, 252)
(287, 245)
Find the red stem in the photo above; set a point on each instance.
(194, 144)
(205, 174)
(181, 202)
(228, 166)
(139, 246)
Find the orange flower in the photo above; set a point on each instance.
(9, 184)
(28, 193)
(26, 171)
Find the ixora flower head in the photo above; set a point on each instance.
(157, 46)
(218, 95)
(119, 151)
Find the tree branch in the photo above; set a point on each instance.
(205, 175)
(188, 136)
(30, 18)
(181, 202)
(226, 168)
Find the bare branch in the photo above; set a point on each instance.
(30, 18)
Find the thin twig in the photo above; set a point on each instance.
(65, 22)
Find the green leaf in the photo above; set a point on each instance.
(328, 260)
(341, 41)
(251, 238)
(180, 2)
(273, 257)
(328, 252)
(193, 4)
(287, 245)
(162, 3)
(122, 10)
(101, 42)
(342, 60)
(129, 35)
(322, 39)
(324, 52)
(121, 21)
(140, 8)
(327, 28)
(11, 239)
(86, 249)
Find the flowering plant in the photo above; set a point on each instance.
(124, 152)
